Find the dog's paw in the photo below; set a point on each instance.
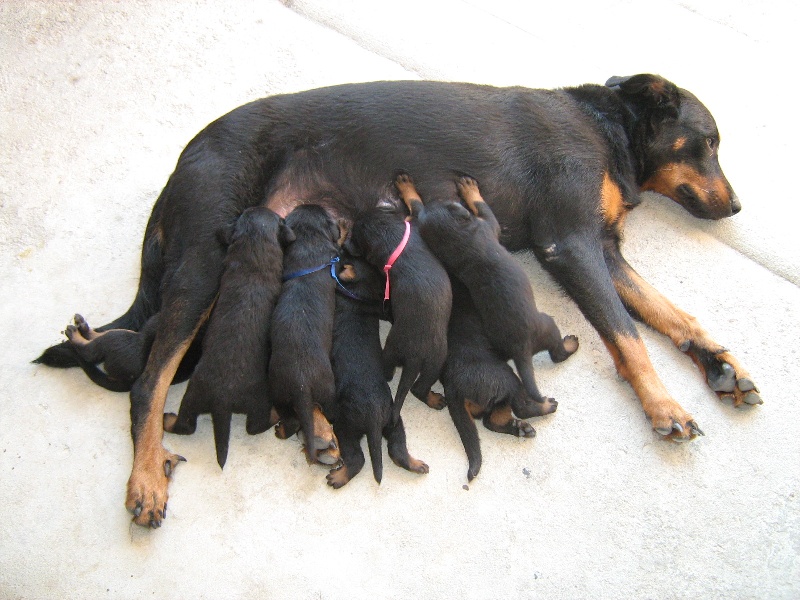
(531, 408)
(672, 422)
(522, 429)
(731, 381)
(435, 400)
(338, 477)
(147, 488)
(83, 327)
(417, 466)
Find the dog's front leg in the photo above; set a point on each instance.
(722, 371)
(577, 264)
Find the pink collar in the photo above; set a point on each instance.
(395, 255)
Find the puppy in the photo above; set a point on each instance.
(122, 352)
(301, 381)
(232, 373)
(479, 383)
(362, 394)
(467, 243)
(419, 291)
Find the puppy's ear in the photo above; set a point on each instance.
(651, 92)
(351, 248)
(225, 235)
(459, 211)
(285, 234)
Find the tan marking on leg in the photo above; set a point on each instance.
(633, 364)
(408, 192)
(470, 193)
(660, 314)
(338, 477)
(348, 273)
(612, 205)
(417, 466)
(435, 400)
(150, 474)
(501, 416)
(474, 410)
(325, 443)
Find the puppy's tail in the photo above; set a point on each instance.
(375, 446)
(221, 419)
(407, 379)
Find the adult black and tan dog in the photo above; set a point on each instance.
(562, 169)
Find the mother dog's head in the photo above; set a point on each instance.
(676, 142)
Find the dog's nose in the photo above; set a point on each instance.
(736, 206)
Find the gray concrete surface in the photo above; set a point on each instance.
(99, 98)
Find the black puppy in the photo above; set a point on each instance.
(122, 352)
(467, 243)
(479, 383)
(419, 291)
(363, 396)
(232, 373)
(301, 381)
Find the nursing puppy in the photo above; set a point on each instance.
(301, 382)
(479, 383)
(362, 394)
(467, 243)
(419, 291)
(232, 373)
(122, 352)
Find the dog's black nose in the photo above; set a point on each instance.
(736, 206)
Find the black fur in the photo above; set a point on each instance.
(300, 373)
(543, 158)
(363, 396)
(420, 297)
(231, 376)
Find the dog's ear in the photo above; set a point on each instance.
(459, 211)
(651, 92)
(285, 234)
(225, 235)
(351, 248)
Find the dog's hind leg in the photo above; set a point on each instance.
(502, 420)
(395, 434)
(722, 371)
(188, 299)
(579, 266)
(422, 387)
(352, 457)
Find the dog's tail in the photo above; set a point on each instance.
(145, 304)
(407, 379)
(375, 446)
(221, 420)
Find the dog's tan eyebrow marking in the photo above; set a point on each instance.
(679, 143)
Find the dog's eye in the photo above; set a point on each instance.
(711, 143)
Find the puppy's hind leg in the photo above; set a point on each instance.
(502, 420)
(395, 434)
(560, 349)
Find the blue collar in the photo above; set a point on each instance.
(332, 264)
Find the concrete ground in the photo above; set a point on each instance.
(98, 100)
